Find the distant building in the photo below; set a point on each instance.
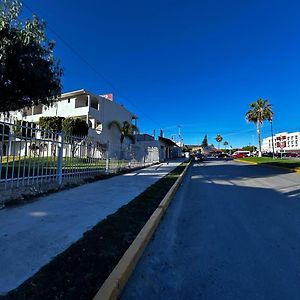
(194, 148)
(283, 142)
(169, 149)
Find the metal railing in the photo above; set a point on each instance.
(30, 155)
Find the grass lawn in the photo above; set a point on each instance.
(284, 163)
(79, 272)
(37, 166)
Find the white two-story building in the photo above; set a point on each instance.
(98, 111)
(283, 142)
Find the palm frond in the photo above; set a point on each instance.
(115, 124)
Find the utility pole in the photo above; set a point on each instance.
(271, 122)
(179, 135)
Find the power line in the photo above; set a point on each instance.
(85, 61)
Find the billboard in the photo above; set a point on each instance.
(108, 96)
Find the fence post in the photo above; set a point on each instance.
(107, 158)
(60, 145)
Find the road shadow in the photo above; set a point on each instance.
(223, 241)
(229, 170)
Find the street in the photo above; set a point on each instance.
(231, 232)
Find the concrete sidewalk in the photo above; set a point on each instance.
(32, 234)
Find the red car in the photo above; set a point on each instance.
(238, 155)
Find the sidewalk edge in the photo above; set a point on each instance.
(117, 279)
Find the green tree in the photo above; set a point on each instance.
(249, 148)
(126, 130)
(74, 129)
(53, 124)
(204, 142)
(29, 74)
(75, 126)
(219, 139)
(225, 144)
(259, 111)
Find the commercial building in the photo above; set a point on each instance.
(283, 142)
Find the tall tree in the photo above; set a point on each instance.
(259, 111)
(29, 74)
(225, 144)
(204, 142)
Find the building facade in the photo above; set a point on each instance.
(169, 149)
(283, 142)
(97, 110)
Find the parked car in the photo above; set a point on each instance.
(223, 155)
(199, 157)
(238, 155)
(279, 154)
(267, 154)
(291, 154)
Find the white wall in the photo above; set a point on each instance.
(292, 142)
(106, 112)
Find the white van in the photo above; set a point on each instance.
(241, 153)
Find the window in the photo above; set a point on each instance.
(94, 103)
(98, 126)
(69, 100)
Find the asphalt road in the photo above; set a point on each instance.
(232, 232)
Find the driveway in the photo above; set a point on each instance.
(232, 232)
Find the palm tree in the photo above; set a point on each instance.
(126, 130)
(219, 140)
(225, 144)
(259, 111)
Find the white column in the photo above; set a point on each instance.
(89, 105)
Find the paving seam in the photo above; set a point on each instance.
(143, 170)
(114, 284)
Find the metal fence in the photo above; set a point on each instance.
(30, 155)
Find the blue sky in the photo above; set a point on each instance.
(193, 64)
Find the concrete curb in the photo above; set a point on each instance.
(294, 170)
(247, 162)
(113, 285)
